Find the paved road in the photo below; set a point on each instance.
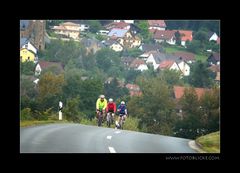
(76, 138)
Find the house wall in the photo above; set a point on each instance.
(29, 46)
(116, 47)
(214, 37)
(152, 61)
(183, 43)
(185, 68)
(174, 67)
(158, 28)
(26, 55)
(142, 67)
(136, 42)
(38, 69)
(172, 41)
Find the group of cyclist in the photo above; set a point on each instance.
(109, 108)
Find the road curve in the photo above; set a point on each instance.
(77, 138)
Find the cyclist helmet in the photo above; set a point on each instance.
(122, 103)
(102, 96)
(110, 100)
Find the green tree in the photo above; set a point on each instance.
(172, 77)
(200, 75)
(194, 46)
(178, 38)
(27, 68)
(71, 111)
(113, 89)
(106, 58)
(95, 25)
(158, 107)
(131, 75)
(210, 109)
(191, 125)
(143, 25)
(50, 90)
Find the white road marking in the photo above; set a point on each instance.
(117, 131)
(109, 137)
(111, 149)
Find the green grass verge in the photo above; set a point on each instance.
(35, 122)
(210, 143)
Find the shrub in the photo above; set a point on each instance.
(26, 114)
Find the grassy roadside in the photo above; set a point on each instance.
(35, 122)
(210, 143)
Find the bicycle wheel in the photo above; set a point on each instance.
(99, 120)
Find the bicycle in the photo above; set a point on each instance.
(121, 121)
(100, 118)
(110, 118)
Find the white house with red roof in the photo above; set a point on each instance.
(167, 36)
(186, 35)
(180, 66)
(138, 64)
(157, 24)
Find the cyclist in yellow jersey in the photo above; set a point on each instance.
(101, 105)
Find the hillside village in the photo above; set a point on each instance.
(119, 52)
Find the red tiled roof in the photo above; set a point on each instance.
(136, 63)
(166, 64)
(185, 35)
(187, 56)
(164, 34)
(179, 91)
(157, 23)
(47, 64)
(152, 30)
(134, 89)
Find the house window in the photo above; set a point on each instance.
(28, 58)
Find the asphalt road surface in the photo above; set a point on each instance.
(77, 138)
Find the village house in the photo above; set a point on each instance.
(212, 36)
(138, 64)
(27, 55)
(92, 45)
(157, 24)
(186, 35)
(214, 58)
(134, 89)
(68, 29)
(127, 61)
(155, 58)
(150, 47)
(177, 65)
(185, 56)
(124, 37)
(43, 65)
(114, 45)
(167, 36)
